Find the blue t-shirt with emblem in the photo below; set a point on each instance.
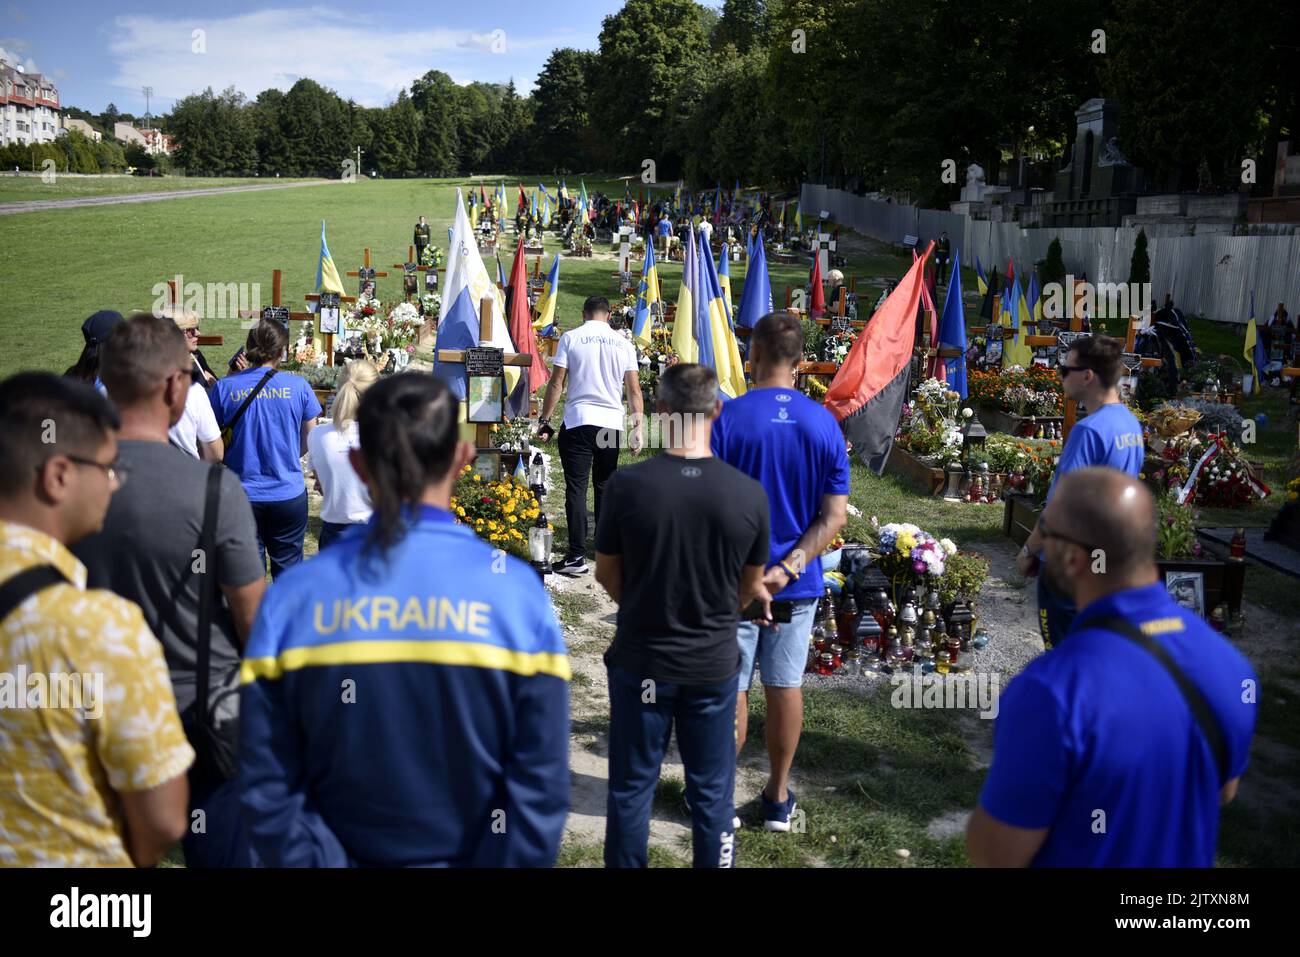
(1095, 741)
(266, 447)
(794, 448)
(1110, 437)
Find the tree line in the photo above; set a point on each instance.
(865, 94)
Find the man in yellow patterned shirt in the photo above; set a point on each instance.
(93, 759)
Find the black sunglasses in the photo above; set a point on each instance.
(1046, 532)
(1065, 370)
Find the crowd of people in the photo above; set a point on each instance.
(402, 698)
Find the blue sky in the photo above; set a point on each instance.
(97, 52)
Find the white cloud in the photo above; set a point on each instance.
(360, 57)
(11, 51)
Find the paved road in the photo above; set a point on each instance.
(37, 205)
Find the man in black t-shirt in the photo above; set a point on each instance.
(681, 545)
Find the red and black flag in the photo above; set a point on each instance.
(867, 394)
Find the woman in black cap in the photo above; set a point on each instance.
(94, 330)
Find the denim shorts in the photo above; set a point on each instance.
(781, 651)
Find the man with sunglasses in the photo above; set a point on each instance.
(92, 754)
(1120, 747)
(1108, 436)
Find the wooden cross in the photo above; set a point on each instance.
(329, 336)
(407, 267)
(483, 431)
(175, 295)
(366, 267)
(276, 304)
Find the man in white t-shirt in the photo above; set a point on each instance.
(598, 365)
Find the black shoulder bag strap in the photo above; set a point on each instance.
(22, 586)
(1191, 693)
(248, 400)
(207, 591)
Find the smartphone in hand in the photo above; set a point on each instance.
(782, 612)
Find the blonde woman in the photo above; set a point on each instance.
(347, 502)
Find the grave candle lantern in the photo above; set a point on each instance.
(540, 539)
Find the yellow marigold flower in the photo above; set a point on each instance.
(478, 478)
(460, 511)
(512, 519)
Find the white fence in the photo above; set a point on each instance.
(1210, 272)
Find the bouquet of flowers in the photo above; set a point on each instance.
(432, 257)
(401, 327)
(654, 360)
(929, 425)
(1209, 470)
(512, 435)
(498, 512)
(431, 305)
(907, 553)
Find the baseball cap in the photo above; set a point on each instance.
(96, 329)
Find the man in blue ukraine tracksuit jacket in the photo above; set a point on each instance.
(396, 713)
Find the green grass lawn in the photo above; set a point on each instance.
(17, 189)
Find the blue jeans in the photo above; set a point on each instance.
(781, 651)
(641, 720)
(281, 530)
(1055, 613)
(224, 841)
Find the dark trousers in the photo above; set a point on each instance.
(281, 529)
(941, 268)
(1055, 613)
(641, 719)
(329, 531)
(217, 837)
(582, 455)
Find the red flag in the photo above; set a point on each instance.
(1011, 271)
(523, 200)
(818, 305)
(867, 394)
(521, 321)
(482, 197)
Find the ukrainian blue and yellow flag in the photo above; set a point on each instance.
(981, 280)
(1254, 349)
(501, 200)
(718, 346)
(646, 297)
(1034, 298)
(544, 312)
(327, 276)
(798, 219)
(1014, 351)
(684, 343)
(724, 277)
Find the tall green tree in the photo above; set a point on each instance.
(648, 51)
(562, 115)
(743, 26)
(1191, 77)
(437, 99)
